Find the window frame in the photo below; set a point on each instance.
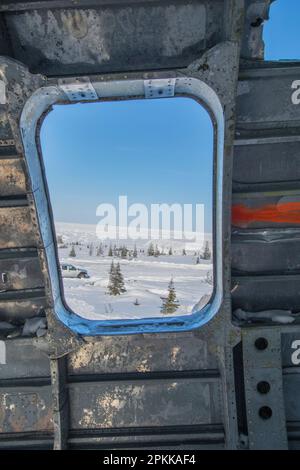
(33, 113)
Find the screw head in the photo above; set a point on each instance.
(261, 343)
(265, 412)
(263, 387)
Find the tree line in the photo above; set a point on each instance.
(125, 253)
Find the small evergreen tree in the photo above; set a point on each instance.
(110, 252)
(170, 303)
(124, 252)
(150, 251)
(156, 252)
(120, 279)
(116, 284)
(206, 252)
(112, 285)
(134, 254)
(99, 250)
(72, 253)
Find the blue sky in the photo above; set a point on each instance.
(281, 33)
(153, 151)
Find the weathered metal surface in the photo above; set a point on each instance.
(265, 97)
(27, 410)
(290, 350)
(150, 403)
(291, 360)
(12, 178)
(276, 252)
(258, 293)
(264, 403)
(25, 304)
(23, 362)
(162, 437)
(266, 163)
(5, 129)
(60, 397)
(142, 353)
(16, 228)
(15, 6)
(291, 384)
(8, 149)
(20, 270)
(134, 37)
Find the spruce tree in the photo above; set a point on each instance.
(91, 249)
(72, 253)
(124, 252)
(150, 251)
(112, 284)
(206, 252)
(170, 303)
(99, 250)
(110, 252)
(116, 284)
(119, 279)
(60, 240)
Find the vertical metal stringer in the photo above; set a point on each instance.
(264, 389)
(60, 396)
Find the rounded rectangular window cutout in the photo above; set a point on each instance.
(131, 189)
(281, 31)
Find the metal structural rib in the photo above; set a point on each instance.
(231, 383)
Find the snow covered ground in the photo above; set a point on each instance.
(146, 277)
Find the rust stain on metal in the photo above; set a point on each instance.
(22, 412)
(16, 227)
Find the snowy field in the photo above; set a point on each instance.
(146, 278)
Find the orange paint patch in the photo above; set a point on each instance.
(285, 213)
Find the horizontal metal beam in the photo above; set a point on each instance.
(15, 6)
